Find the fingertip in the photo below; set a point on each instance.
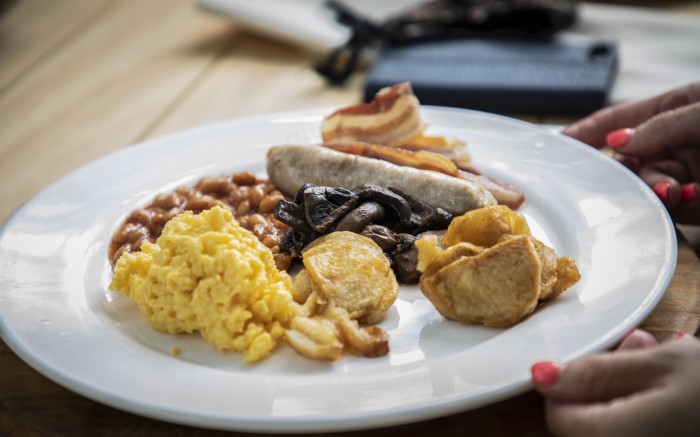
(619, 138)
(668, 191)
(637, 339)
(661, 189)
(682, 335)
(689, 192)
(571, 130)
(545, 372)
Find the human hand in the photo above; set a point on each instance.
(640, 389)
(659, 140)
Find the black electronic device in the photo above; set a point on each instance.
(539, 77)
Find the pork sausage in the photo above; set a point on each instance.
(290, 167)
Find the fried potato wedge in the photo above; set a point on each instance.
(485, 226)
(567, 276)
(352, 272)
(485, 274)
(497, 287)
(314, 338)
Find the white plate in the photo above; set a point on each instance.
(57, 315)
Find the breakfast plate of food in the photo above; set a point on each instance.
(330, 269)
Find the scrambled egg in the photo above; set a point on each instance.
(206, 273)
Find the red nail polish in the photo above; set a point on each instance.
(689, 192)
(661, 190)
(619, 138)
(544, 372)
(680, 334)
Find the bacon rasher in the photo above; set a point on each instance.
(391, 119)
(390, 128)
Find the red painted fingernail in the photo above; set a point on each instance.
(689, 192)
(544, 372)
(619, 138)
(680, 334)
(661, 190)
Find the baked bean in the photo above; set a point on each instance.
(268, 204)
(216, 187)
(243, 208)
(257, 194)
(251, 200)
(256, 220)
(244, 178)
(269, 241)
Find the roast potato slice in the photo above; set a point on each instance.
(485, 226)
(352, 272)
(497, 287)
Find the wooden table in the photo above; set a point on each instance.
(83, 78)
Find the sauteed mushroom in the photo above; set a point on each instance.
(389, 217)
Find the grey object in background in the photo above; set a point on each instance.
(503, 76)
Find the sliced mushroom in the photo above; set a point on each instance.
(381, 235)
(387, 198)
(357, 219)
(293, 215)
(324, 206)
(389, 217)
(423, 216)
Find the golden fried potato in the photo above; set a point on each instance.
(352, 272)
(567, 276)
(302, 287)
(485, 273)
(366, 341)
(315, 338)
(497, 287)
(548, 258)
(447, 256)
(485, 226)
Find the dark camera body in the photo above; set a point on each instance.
(524, 76)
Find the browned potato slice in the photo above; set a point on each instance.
(497, 287)
(314, 338)
(352, 272)
(302, 286)
(567, 276)
(442, 257)
(485, 226)
(370, 341)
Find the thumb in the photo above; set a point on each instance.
(674, 129)
(600, 377)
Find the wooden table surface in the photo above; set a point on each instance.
(82, 78)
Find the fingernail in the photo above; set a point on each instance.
(619, 138)
(682, 334)
(689, 192)
(544, 372)
(661, 190)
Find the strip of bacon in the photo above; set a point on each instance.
(391, 117)
(420, 159)
(504, 194)
(390, 128)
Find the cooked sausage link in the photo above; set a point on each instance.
(251, 200)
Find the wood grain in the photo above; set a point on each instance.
(32, 30)
(100, 91)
